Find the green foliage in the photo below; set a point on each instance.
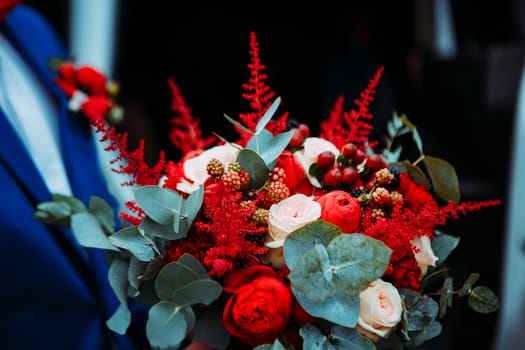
(58, 211)
(277, 345)
(446, 296)
(179, 287)
(419, 317)
(444, 179)
(131, 239)
(442, 245)
(168, 215)
(337, 338)
(118, 280)
(467, 286)
(340, 271)
(252, 163)
(483, 300)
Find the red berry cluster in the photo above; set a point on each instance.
(351, 169)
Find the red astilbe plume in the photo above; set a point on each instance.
(185, 134)
(358, 129)
(225, 236)
(259, 96)
(130, 163)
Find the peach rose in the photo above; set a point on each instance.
(285, 217)
(312, 146)
(424, 255)
(381, 310)
(342, 209)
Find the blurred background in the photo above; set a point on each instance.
(453, 67)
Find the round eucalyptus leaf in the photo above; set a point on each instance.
(443, 177)
(89, 233)
(356, 260)
(251, 162)
(166, 327)
(304, 238)
(442, 245)
(483, 300)
(160, 204)
(467, 286)
(172, 277)
(194, 264)
(204, 291)
(74, 203)
(131, 239)
(103, 212)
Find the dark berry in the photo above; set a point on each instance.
(325, 159)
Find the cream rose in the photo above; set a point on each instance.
(312, 146)
(381, 310)
(424, 255)
(195, 168)
(285, 217)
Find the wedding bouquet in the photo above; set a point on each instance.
(277, 239)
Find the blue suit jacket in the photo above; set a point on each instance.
(54, 294)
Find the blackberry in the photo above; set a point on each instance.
(258, 238)
(397, 177)
(357, 191)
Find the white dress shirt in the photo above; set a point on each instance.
(30, 110)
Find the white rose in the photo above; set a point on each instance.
(424, 255)
(312, 146)
(195, 168)
(380, 310)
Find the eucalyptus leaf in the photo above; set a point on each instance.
(53, 213)
(414, 173)
(204, 291)
(304, 238)
(432, 330)
(103, 212)
(74, 203)
(268, 115)
(166, 327)
(443, 177)
(442, 245)
(192, 205)
(136, 269)
(194, 264)
(167, 231)
(446, 296)
(172, 277)
(339, 338)
(129, 238)
(340, 272)
(118, 279)
(252, 163)
(483, 300)
(209, 327)
(237, 124)
(415, 133)
(89, 233)
(162, 205)
(467, 286)
(277, 345)
(420, 310)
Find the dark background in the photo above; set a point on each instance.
(463, 107)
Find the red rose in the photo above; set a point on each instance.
(258, 312)
(342, 209)
(91, 81)
(66, 78)
(293, 169)
(235, 279)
